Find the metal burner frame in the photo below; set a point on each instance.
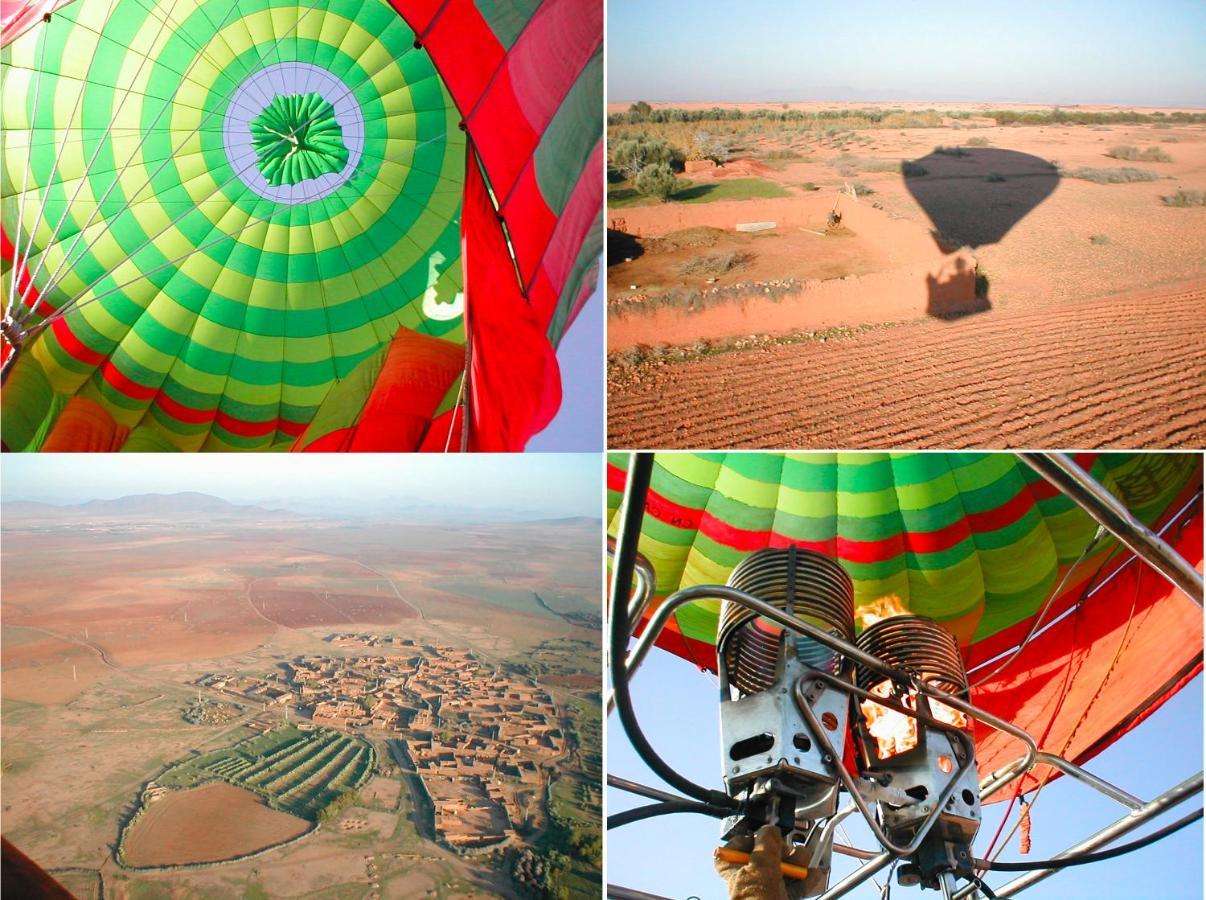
(1147, 546)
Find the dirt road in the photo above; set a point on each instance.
(1120, 371)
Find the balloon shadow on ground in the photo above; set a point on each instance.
(974, 196)
(948, 296)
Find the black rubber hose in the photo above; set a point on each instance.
(983, 888)
(1082, 859)
(639, 474)
(665, 808)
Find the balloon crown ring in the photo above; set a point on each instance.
(296, 137)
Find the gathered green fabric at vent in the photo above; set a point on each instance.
(297, 138)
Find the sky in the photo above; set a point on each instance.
(579, 423)
(1077, 51)
(538, 485)
(676, 706)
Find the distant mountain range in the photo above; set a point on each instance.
(186, 503)
(189, 504)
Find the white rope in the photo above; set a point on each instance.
(56, 276)
(79, 185)
(25, 180)
(460, 394)
(1034, 628)
(22, 261)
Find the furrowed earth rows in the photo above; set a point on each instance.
(267, 770)
(349, 772)
(348, 776)
(288, 779)
(1073, 422)
(1113, 369)
(770, 417)
(791, 356)
(283, 749)
(314, 781)
(966, 364)
(317, 789)
(988, 424)
(791, 359)
(1066, 406)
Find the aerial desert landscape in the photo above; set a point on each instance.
(203, 699)
(906, 275)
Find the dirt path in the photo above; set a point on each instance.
(248, 587)
(390, 582)
(1121, 371)
(95, 648)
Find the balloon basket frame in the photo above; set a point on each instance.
(628, 607)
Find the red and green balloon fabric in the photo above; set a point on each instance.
(978, 542)
(216, 212)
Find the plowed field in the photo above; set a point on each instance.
(1120, 371)
(213, 822)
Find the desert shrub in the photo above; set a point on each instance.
(978, 142)
(889, 117)
(862, 189)
(1134, 154)
(1171, 139)
(715, 264)
(849, 164)
(627, 358)
(782, 153)
(995, 177)
(632, 154)
(1057, 116)
(911, 169)
(952, 151)
(655, 180)
(705, 145)
(811, 186)
(1185, 197)
(1099, 240)
(1125, 175)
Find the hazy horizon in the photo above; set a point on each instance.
(768, 51)
(542, 485)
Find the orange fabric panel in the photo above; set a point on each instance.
(1100, 671)
(417, 373)
(85, 427)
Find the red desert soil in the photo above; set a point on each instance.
(306, 609)
(213, 822)
(1126, 370)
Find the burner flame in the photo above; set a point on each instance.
(894, 732)
(876, 611)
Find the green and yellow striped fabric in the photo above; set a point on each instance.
(975, 540)
(213, 211)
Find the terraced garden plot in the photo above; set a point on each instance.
(295, 772)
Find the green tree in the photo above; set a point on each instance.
(342, 801)
(656, 180)
(632, 154)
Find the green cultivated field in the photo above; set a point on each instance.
(621, 194)
(296, 772)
